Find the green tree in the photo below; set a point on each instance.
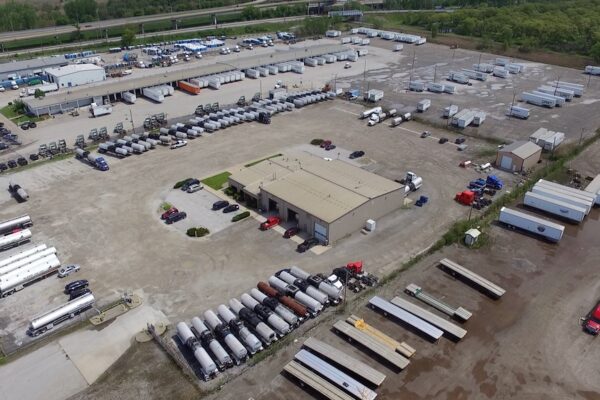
(39, 93)
(128, 37)
(250, 13)
(595, 52)
(81, 10)
(435, 28)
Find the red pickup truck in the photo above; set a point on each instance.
(269, 223)
(592, 322)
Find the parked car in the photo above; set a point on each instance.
(425, 134)
(3, 167)
(69, 287)
(592, 322)
(22, 161)
(443, 140)
(34, 157)
(12, 164)
(189, 182)
(330, 147)
(68, 270)
(32, 124)
(194, 188)
(307, 244)
(78, 293)
(291, 232)
(459, 140)
(269, 223)
(356, 154)
(3, 146)
(178, 144)
(217, 205)
(178, 216)
(170, 211)
(231, 208)
(325, 143)
(25, 125)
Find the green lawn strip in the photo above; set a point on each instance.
(217, 181)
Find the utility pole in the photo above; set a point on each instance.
(131, 118)
(580, 137)
(412, 68)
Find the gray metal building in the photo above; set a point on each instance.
(327, 199)
(30, 67)
(64, 101)
(75, 75)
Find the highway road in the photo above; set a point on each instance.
(88, 43)
(58, 30)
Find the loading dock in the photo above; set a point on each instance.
(357, 367)
(457, 270)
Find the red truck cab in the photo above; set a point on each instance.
(592, 322)
(269, 223)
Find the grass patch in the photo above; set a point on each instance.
(12, 113)
(166, 206)
(217, 181)
(9, 112)
(264, 159)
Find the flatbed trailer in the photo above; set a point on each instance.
(455, 312)
(373, 345)
(311, 379)
(422, 326)
(392, 343)
(357, 367)
(430, 317)
(334, 375)
(457, 270)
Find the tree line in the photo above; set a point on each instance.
(570, 26)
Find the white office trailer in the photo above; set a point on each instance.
(478, 118)
(333, 33)
(575, 87)
(500, 72)
(416, 86)
(435, 87)
(568, 94)
(502, 62)
(76, 75)
(538, 100)
(514, 68)
(554, 207)
(483, 67)
(458, 77)
(546, 139)
(560, 101)
(450, 111)
(480, 76)
(463, 118)
(518, 112)
(592, 70)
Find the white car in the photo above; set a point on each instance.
(198, 56)
(178, 144)
(195, 188)
(2, 89)
(68, 270)
(236, 49)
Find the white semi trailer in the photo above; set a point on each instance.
(50, 319)
(532, 224)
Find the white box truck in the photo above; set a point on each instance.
(423, 105)
(530, 223)
(554, 207)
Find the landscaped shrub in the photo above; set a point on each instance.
(181, 183)
(166, 206)
(240, 216)
(197, 232)
(316, 142)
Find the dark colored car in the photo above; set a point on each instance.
(34, 157)
(307, 244)
(178, 216)
(3, 167)
(170, 211)
(78, 293)
(32, 124)
(356, 154)
(443, 140)
(325, 143)
(231, 208)
(75, 285)
(330, 147)
(217, 205)
(3, 146)
(291, 232)
(22, 161)
(459, 140)
(12, 164)
(25, 126)
(189, 183)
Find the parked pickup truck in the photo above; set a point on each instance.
(592, 322)
(269, 223)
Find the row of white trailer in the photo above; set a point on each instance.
(255, 320)
(387, 35)
(299, 66)
(554, 94)
(434, 87)
(466, 117)
(27, 266)
(128, 145)
(158, 93)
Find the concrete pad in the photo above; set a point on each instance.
(94, 351)
(46, 373)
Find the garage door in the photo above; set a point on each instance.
(320, 232)
(506, 163)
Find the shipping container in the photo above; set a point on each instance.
(188, 87)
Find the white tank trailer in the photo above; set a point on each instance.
(334, 293)
(313, 306)
(267, 335)
(279, 325)
(15, 239)
(17, 279)
(308, 289)
(367, 113)
(252, 344)
(50, 319)
(19, 256)
(207, 339)
(221, 330)
(26, 260)
(207, 365)
(22, 222)
(272, 303)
